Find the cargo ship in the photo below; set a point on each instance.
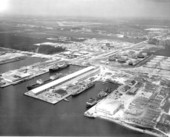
(54, 68)
(40, 82)
(58, 67)
(91, 102)
(82, 88)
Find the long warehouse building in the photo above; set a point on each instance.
(62, 80)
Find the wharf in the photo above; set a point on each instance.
(12, 60)
(40, 92)
(61, 80)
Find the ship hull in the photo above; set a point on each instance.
(38, 85)
(52, 70)
(81, 91)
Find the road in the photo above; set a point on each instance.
(105, 55)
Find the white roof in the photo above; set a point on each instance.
(63, 79)
(108, 105)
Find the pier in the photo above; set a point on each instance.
(61, 80)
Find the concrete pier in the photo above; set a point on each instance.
(62, 80)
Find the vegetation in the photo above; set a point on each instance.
(47, 49)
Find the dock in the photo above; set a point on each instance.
(61, 80)
(42, 92)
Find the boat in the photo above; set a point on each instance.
(102, 94)
(108, 90)
(63, 65)
(89, 115)
(58, 66)
(91, 102)
(54, 68)
(2, 83)
(65, 99)
(40, 82)
(82, 88)
(58, 75)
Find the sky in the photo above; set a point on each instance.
(91, 8)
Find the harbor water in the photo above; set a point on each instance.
(22, 115)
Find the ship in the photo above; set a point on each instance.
(108, 90)
(2, 82)
(89, 115)
(91, 102)
(58, 67)
(58, 75)
(102, 94)
(54, 68)
(82, 88)
(40, 82)
(63, 65)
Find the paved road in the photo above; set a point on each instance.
(126, 48)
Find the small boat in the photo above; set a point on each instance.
(38, 83)
(91, 102)
(87, 114)
(58, 75)
(65, 99)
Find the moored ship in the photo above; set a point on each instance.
(82, 88)
(58, 75)
(102, 94)
(63, 65)
(58, 67)
(54, 68)
(40, 82)
(91, 102)
(2, 82)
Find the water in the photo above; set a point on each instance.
(22, 115)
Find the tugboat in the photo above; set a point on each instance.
(91, 102)
(89, 115)
(58, 75)
(83, 88)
